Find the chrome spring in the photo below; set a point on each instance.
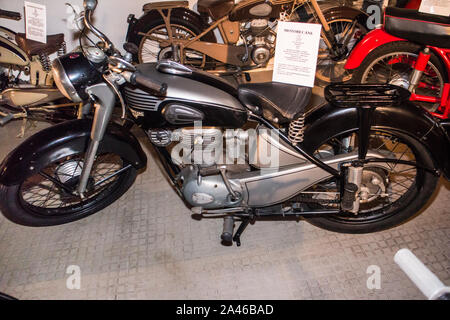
(62, 49)
(296, 129)
(45, 62)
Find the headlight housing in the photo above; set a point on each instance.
(73, 73)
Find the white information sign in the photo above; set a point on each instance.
(435, 7)
(296, 53)
(36, 22)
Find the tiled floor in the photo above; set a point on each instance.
(147, 245)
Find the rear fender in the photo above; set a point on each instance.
(370, 42)
(408, 119)
(347, 12)
(62, 140)
(10, 53)
(137, 25)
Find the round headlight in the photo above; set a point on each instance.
(73, 73)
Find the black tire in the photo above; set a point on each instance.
(19, 211)
(3, 81)
(192, 27)
(394, 214)
(361, 74)
(4, 297)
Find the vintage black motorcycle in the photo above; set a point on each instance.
(366, 161)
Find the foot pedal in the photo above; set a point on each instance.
(197, 210)
(349, 196)
(228, 228)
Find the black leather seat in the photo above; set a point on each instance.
(418, 27)
(278, 102)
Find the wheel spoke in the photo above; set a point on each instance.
(55, 181)
(149, 49)
(48, 190)
(396, 67)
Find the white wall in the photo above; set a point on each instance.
(110, 17)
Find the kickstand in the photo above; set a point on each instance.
(23, 128)
(240, 230)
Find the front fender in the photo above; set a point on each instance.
(370, 42)
(407, 118)
(62, 140)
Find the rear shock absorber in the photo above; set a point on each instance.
(419, 67)
(297, 130)
(45, 62)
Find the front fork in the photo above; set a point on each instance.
(105, 99)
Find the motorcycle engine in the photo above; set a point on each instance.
(260, 39)
(199, 152)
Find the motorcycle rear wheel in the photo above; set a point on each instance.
(151, 51)
(408, 188)
(392, 63)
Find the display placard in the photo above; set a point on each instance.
(296, 53)
(435, 7)
(36, 22)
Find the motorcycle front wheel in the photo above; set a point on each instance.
(45, 198)
(391, 193)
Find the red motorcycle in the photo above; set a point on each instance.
(411, 50)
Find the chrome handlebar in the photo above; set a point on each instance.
(89, 7)
(116, 62)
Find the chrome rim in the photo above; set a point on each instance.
(41, 194)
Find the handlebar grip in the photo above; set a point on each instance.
(146, 81)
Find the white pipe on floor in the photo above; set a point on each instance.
(422, 277)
